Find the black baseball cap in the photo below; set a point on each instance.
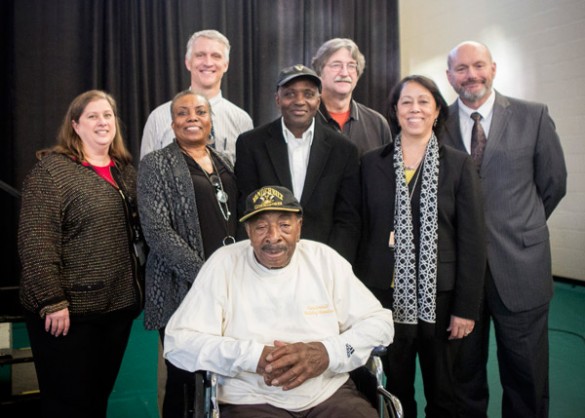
(270, 198)
(289, 74)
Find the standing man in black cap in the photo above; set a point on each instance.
(319, 165)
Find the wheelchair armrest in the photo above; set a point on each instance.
(387, 400)
(375, 367)
(379, 351)
(205, 404)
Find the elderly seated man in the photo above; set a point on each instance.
(281, 320)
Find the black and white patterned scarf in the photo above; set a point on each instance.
(411, 301)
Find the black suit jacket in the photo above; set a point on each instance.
(461, 234)
(331, 194)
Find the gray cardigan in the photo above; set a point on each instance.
(170, 222)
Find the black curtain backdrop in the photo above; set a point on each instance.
(55, 49)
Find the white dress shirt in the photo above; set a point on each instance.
(466, 123)
(299, 150)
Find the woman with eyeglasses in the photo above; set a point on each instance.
(187, 202)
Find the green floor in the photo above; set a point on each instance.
(135, 394)
(567, 357)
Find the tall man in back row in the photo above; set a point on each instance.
(319, 165)
(207, 59)
(340, 64)
(523, 176)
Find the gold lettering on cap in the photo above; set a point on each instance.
(267, 197)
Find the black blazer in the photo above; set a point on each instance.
(331, 194)
(461, 247)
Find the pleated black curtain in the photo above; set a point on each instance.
(52, 50)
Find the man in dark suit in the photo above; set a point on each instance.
(523, 176)
(319, 165)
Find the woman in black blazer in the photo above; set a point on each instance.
(423, 245)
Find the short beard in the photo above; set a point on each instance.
(474, 97)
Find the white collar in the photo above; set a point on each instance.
(484, 110)
(306, 136)
(213, 100)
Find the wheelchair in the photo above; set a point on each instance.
(369, 379)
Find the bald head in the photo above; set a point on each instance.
(468, 46)
(471, 72)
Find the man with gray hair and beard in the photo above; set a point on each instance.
(339, 63)
(519, 158)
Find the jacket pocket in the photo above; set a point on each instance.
(446, 270)
(535, 236)
(88, 298)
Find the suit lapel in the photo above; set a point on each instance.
(501, 116)
(278, 154)
(385, 164)
(453, 130)
(320, 151)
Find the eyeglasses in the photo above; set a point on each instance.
(220, 194)
(222, 198)
(338, 66)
